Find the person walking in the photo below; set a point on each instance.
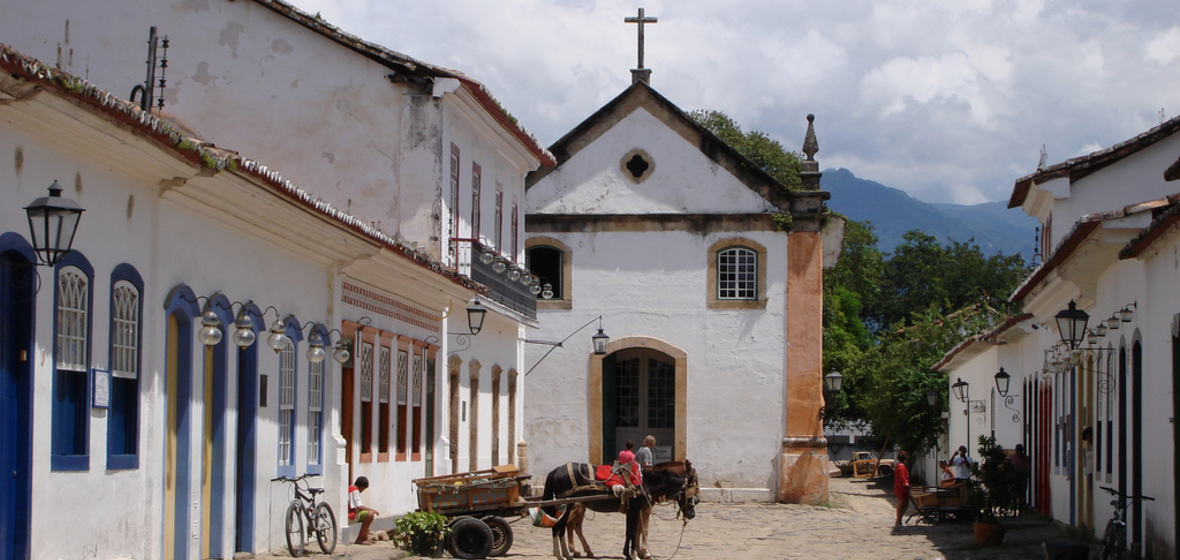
(901, 487)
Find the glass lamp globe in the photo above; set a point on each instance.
(535, 289)
(486, 257)
(513, 274)
(244, 332)
(277, 339)
(210, 333)
(340, 354)
(500, 266)
(547, 291)
(316, 354)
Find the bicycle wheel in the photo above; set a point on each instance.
(295, 530)
(1112, 541)
(324, 522)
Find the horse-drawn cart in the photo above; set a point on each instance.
(478, 503)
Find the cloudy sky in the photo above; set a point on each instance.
(949, 100)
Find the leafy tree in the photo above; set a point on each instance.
(766, 152)
(923, 272)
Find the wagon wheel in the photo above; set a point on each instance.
(501, 535)
(469, 538)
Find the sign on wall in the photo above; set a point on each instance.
(101, 395)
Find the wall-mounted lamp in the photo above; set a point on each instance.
(547, 291)
(833, 381)
(475, 316)
(53, 221)
(1071, 324)
(1003, 379)
(600, 340)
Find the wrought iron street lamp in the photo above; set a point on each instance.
(475, 316)
(1071, 325)
(833, 381)
(600, 340)
(53, 221)
(1002, 380)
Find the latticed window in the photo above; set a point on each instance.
(123, 416)
(366, 397)
(383, 418)
(475, 183)
(627, 394)
(403, 375)
(70, 406)
(286, 405)
(417, 384)
(315, 411)
(125, 331)
(661, 394)
(383, 379)
(454, 213)
(737, 273)
(73, 305)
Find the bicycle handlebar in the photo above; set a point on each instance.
(1125, 497)
(285, 478)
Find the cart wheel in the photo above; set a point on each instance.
(501, 535)
(469, 538)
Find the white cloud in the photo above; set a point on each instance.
(950, 101)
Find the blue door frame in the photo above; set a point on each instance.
(17, 303)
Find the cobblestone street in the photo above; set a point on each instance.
(856, 525)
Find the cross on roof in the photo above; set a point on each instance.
(640, 19)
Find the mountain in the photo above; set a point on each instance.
(994, 227)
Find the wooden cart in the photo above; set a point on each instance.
(477, 504)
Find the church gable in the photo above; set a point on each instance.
(640, 154)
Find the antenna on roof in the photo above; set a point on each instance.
(1044, 157)
(157, 58)
(1162, 119)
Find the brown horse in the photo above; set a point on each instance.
(674, 480)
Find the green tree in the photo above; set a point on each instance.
(766, 152)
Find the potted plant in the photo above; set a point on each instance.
(421, 533)
(993, 491)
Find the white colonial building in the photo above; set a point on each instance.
(1097, 409)
(395, 176)
(706, 273)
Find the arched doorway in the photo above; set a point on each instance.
(17, 297)
(638, 388)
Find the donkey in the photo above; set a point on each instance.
(675, 480)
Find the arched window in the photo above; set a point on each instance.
(71, 409)
(549, 259)
(125, 339)
(315, 410)
(737, 275)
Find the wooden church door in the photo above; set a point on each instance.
(639, 399)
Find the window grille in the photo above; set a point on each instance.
(315, 408)
(125, 331)
(286, 405)
(737, 273)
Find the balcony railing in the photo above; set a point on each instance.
(513, 294)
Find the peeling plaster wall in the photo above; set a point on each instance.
(253, 81)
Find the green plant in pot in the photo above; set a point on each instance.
(421, 533)
(993, 491)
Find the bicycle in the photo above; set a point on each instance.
(1114, 539)
(305, 515)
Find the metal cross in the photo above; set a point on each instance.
(640, 19)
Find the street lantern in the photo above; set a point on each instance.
(475, 316)
(1002, 381)
(932, 397)
(833, 381)
(1071, 325)
(53, 221)
(600, 341)
(961, 390)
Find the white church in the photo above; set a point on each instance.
(655, 232)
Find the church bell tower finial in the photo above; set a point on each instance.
(809, 170)
(640, 74)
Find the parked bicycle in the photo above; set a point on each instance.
(1114, 539)
(306, 517)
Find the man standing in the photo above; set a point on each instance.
(961, 464)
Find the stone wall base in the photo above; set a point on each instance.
(736, 495)
(804, 478)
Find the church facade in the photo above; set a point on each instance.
(706, 274)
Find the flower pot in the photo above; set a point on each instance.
(989, 534)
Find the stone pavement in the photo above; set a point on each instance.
(857, 524)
